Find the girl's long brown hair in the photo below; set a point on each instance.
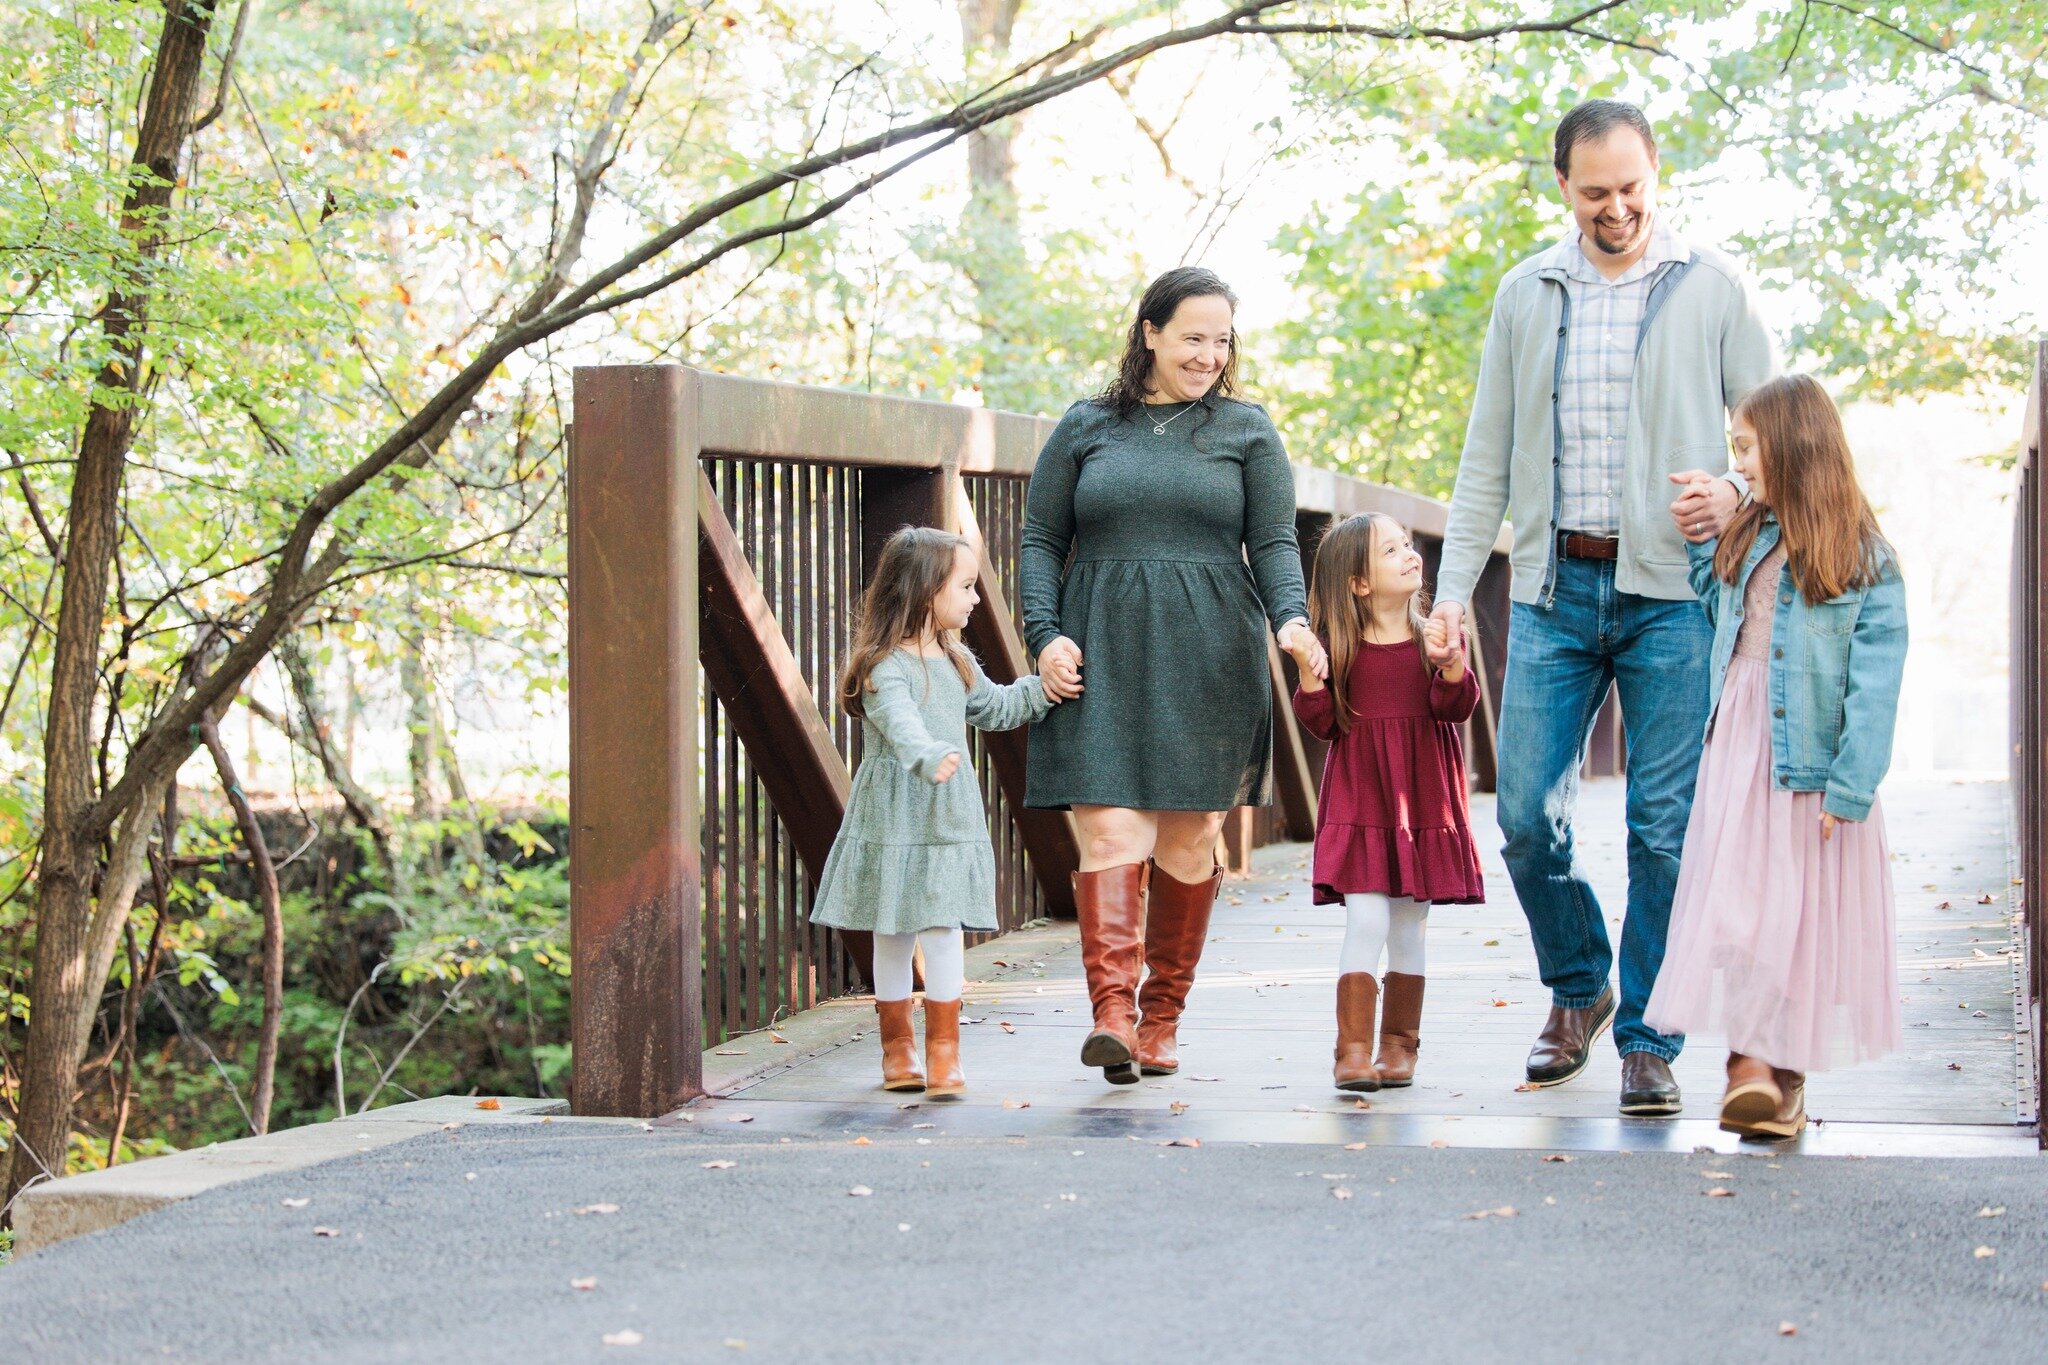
(1348, 551)
(1832, 541)
(897, 606)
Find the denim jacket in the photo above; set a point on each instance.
(1835, 672)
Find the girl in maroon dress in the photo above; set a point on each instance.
(1393, 834)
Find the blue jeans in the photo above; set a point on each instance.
(1561, 656)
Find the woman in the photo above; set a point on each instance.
(1160, 489)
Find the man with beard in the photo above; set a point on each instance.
(1610, 364)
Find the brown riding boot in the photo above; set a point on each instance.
(1110, 904)
(1400, 1029)
(942, 1048)
(899, 1046)
(1176, 927)
(1358, 995)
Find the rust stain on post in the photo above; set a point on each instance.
(634, 896)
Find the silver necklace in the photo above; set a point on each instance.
(1159, 428)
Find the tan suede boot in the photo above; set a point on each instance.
(899, 1046)
(942, 1048)
(1400, 1028)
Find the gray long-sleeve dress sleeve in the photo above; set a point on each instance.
(1005, 706)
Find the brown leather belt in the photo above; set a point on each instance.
(1575, 546)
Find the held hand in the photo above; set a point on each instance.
(1299, 641)
(1443, 636)
(1059, 670)
(1703, 510)
(948, 765)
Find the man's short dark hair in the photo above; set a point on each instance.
(1593, 121)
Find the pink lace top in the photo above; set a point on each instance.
(1760, 607)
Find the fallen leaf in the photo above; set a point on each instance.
(1719, 1192)
(629, 1337)
(1557, 1156)
(1983, 1253)
(595, 1208)
(489, 1104)
(775, 1037)
(1006, 1026)
(1016, 1104)
(584, 1282)
(1179, 1106)
(1986, 1212)
(1339, 1192)
(301, 1203)
(1438, 1142)
(1717, 1175)
(1788, 1329)
(739, 1118)
(1182, 1142)
(720, 1165)
(1491, 943)
(1528, 1085)
(860, 1192)
(451, 1127)
(915, 1126)
(1361, 1105)
(1944, 905)
(1205, 1078)
(1354, 1146)
(327, 1232)
(1500, 1004)
(1984, 900)
(1504, 1211)
(1955, 1066)
(862, 1142)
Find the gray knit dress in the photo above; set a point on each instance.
(913, 854)
(1167, 557)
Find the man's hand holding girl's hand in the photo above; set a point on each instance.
(1305, 649)
(1059, 670)
(1703, 510)
(1438, 645)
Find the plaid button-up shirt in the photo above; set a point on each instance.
(1599, 367)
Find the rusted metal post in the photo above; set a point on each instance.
(634, 895)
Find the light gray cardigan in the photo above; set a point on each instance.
(1703, 345)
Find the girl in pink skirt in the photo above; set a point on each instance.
(1781, 928)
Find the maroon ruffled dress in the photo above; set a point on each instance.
(1392, 817)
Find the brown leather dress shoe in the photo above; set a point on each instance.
(1647, 1087)
(1357, 998)
(1400, 1028)
(1566, 1043)
(1176, 927)
(899, 1046)
(1110, 903)
(1753, 1095)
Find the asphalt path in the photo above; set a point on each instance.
(708, 1241)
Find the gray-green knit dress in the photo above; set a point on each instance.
(1176, 712)
(913, 854)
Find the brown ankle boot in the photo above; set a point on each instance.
(899, 1047)
(1110, 904)
(1753, 1095)
(1400, 1029)
(942, 1048)
(1176, 927)
(1358, 995)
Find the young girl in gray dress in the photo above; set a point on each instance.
(913, 862)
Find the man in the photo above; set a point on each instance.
(1609, 367)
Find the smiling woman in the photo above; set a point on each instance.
(1158, 550)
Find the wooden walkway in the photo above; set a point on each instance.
(1256, 1043)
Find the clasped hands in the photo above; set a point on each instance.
(1703, 510)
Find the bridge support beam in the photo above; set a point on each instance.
(634, 891)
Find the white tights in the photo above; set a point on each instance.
(1373, 921)
(945, 963)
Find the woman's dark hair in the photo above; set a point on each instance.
(1162, 298)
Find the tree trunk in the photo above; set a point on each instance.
(273, 921)
(75, 939)
(419, 699)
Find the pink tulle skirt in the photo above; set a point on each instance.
(1779, 940)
